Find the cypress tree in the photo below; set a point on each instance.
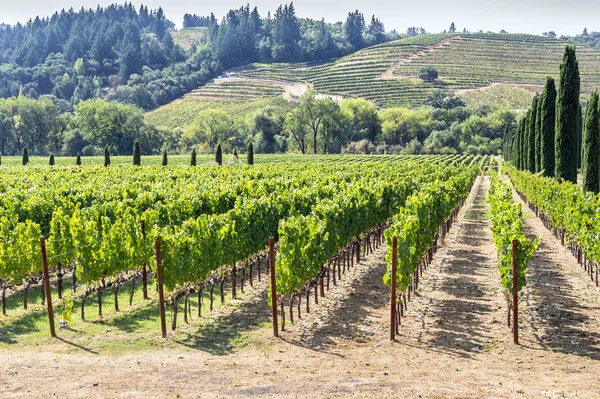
(165, 160)
(548, 128)
(517, 145)
(579, 135)
(51, 161)
(106, 157)
(193, 160)
(522, 149)
(567, 104)
(525, 143)
(219, 155)
(517, 150)
(25, 159)
(538, 134)
(532, 139)
(250, 154)
(78, 160)
(137, 154)
(591, 146)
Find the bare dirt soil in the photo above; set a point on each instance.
(453, 343)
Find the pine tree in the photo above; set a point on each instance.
(25, 160)
(548, 128)
(531, 136)
(591, 146)
(137, 154)
(51, 161)
(219, 155)
(567, 104)
(106, 157)
(193, 159)
(165, 160)
(250, 154)
(78, 160)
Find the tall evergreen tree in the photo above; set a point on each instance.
(137, 153)
(517, 145)
(165, 160)
(250, 154)
(532, 139)
(78, 160)
(524, 143)
(548, 128)
(51, 161)
(25, 159)
(567, 104)
(219, 155)
(591, 146)
(538, 134)
(354, 27)
(579, 135)
(106, 157)
(193, 158)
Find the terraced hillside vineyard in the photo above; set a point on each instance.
(482, 68)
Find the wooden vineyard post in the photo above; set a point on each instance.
(47, 286)
(161, 293)
(515, 293)
(145, 272)
(393, 295)
(273, 285)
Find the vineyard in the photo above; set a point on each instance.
(483, 68)
(101, 223)
(417, 226)
(182, 112)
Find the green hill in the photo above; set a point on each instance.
(186, 37)
(482, 68)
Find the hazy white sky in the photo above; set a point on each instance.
(525, 16)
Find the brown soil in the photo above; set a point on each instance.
(454, 342)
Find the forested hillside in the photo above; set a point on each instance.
(129, 55)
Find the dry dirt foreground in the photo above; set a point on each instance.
(454, 343)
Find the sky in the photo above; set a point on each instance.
(514, 16)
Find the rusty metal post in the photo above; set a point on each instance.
(161, 293)
(515, 294)
(47, 286)
(393, 295)
(273, 285)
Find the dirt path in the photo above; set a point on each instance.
(562, 311)
(453, 343)
(292, 91)
(460, 307)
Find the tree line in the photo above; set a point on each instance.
(128, 55)
(553, 138)
(315, 125)
(320, 125)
